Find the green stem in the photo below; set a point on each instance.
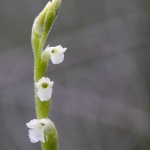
(42, 107)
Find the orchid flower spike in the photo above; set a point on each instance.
(44, 88)
(37, 129)
(55, 53)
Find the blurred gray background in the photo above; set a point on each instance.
(100, 97)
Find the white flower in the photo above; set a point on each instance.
(37, 128)
(44, 88)
(55, 53)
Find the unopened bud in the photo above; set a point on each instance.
(39, 20)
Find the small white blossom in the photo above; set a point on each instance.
(44, 88)
(37, 128)
(55, 53)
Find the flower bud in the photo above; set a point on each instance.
(39, 20)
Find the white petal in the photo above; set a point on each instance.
(36, 135)
(57, 58)
(32, 123)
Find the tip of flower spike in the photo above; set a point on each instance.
(48, 5)
(39, 21)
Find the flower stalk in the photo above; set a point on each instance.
(43, 129)
(40, 31)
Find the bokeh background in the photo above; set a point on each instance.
(101, 91)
